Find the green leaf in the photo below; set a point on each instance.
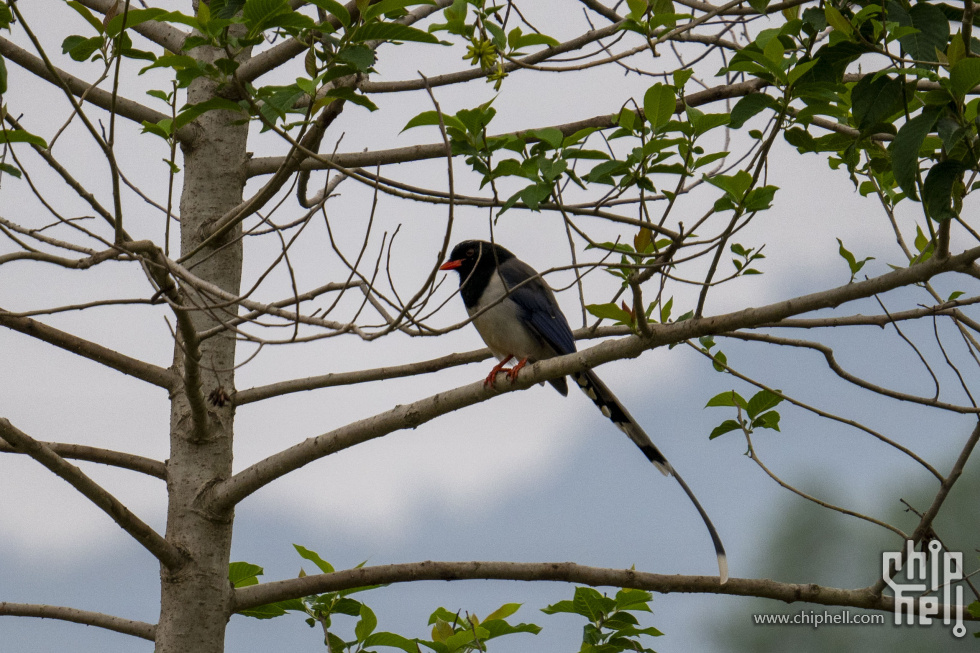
(923, 245)
(225, 9)
(349, 95)
(163, 129)
(534, 194)
(705, 122)
(603, 172)
(258, 13)
(964, 76)
(905, 148)
(335, 9)
(852, 263)
(268, 611)
(725, 427)
(801, 69)
(708, 158)
(192, 111)
(6, 17)
(591, 604)
(10, 169)
(3, 76)
(932, 26)
(183, 19)
(243, 574)
(21, 136)
(429, 118)
(665, 310)
(553, 137)
(760, 199)
(315, 558)
(503, 612)
(659, 104)
(561, 606)
(768, 420)
(874, 99)
(291, 21)
(682, 76)
(734, 185)
(937, 190)
(461, 638)
(529, 40)
(366, 624)
(80, 48)
(134, 17)
(610, 311)
(749, 106)
(633, 599)
(719, 361)
(637, 8)
(391, 640)
(761, 402)
(727, 398)
(596, 155)
(360, 56)
(974, 609)
(836, 20)
(389, 6)
(87, 15)
(499, 627)
(391, 32)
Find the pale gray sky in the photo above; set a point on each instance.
(527, 476)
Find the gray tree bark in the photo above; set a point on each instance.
(196, 598)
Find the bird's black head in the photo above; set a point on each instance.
(475, 254)
(476, 261)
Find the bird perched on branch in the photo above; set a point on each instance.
(518, 317)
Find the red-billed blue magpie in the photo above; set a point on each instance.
(518, 317)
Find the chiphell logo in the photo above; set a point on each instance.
(944, 568)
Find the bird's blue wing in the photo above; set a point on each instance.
(538, 305)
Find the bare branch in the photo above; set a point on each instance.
(273, 58)
(164, 35)
(566, 572)
(925, 523)
(163, 550)
(828, 354)
(142, 370)
(268, 165)
(129, 461)
(118, 624)
(227, 493)
(103, 99)
(361, 376)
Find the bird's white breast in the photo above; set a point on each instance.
(502, 326)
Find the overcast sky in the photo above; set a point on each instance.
(527, 476)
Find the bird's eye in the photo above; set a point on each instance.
(470, 253)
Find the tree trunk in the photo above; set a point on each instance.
(195, 599)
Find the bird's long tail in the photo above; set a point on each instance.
(610, 406)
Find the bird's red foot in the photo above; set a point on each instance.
(499, 367)
(512, 372)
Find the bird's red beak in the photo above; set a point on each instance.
(450, 265)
